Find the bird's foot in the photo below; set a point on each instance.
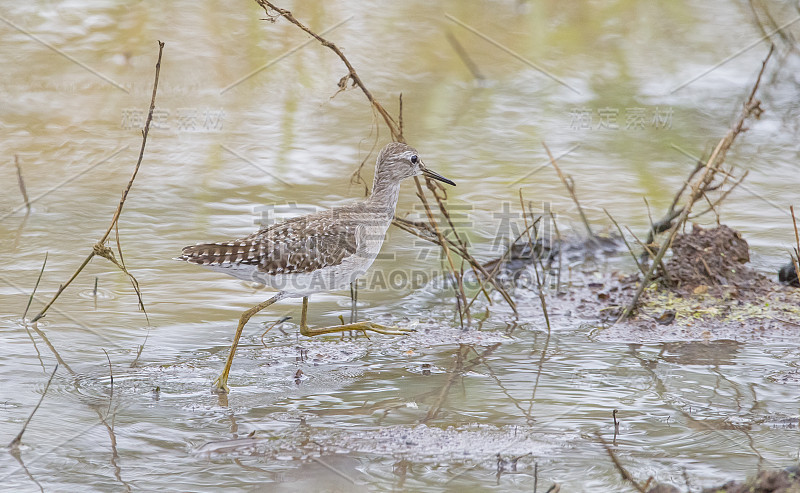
(220, 385)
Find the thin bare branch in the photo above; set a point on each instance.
(570, 186)
(394, 128)
(35, 286)
(99, 247)
(630, 249)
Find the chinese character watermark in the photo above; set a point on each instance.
(180, 120)
(633, 118)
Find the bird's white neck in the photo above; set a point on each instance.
(385, 192)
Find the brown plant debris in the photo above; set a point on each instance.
(774, 481)
(711, 294)
(715, 258)
(783, 481)
(704, 183)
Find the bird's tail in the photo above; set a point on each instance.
(234, 252)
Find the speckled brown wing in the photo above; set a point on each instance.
(299, 245)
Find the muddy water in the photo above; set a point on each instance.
(247, 130)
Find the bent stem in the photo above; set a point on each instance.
(99, 247)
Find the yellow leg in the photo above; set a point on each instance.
(359, 326)
(221, 383)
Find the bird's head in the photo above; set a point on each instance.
(398, 161)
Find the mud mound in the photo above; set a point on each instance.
(710, 257)
(780, 481)
(786, 481)
(709, 294)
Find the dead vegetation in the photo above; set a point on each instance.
(713, 176)
(772, 481)
(716, 258)
(100, 248)
(794, 280)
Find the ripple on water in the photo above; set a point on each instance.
(101, 294)
(451, 446)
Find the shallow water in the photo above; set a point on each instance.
(431, 411)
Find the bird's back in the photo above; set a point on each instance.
(298, 246)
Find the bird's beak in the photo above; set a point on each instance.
(436, 176)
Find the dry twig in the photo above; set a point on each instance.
(752, 107)
(424, 231)
(570, 186)
(100, 248)
(352, 75)
(35, 287)
(628, 245)
(539, 283)
(666, 222)
(499, 263)
(652, 255)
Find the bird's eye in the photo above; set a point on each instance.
(414, 159)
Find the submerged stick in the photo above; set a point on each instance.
(99, 247)
(456, 371)
(112, 436)
(622, 471)
(16, 441)
(464, 56)
(21, 182)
